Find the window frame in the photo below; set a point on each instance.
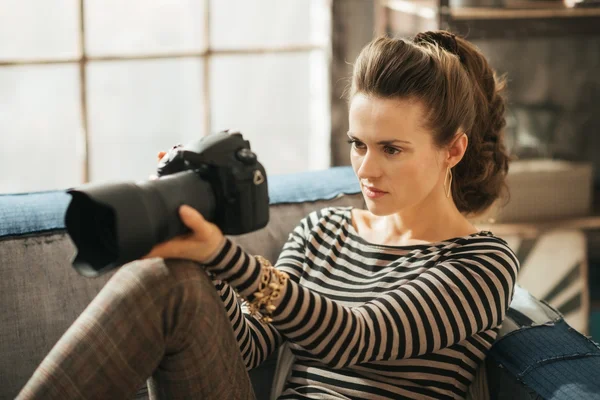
(204, 55)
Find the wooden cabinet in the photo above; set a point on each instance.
(514, 19)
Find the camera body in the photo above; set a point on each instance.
(238, 180)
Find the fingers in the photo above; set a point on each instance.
(174, 248)
(177, 247)
(196, 222)
(160, 155)
(191, 218)
(198, 245)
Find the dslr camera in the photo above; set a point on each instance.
(218, 175)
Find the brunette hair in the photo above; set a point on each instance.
(460, 92)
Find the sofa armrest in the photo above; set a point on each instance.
(538, 355)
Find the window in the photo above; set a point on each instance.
(91, 90)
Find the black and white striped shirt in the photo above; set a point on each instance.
(372, 321)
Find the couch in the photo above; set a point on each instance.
(538, 355)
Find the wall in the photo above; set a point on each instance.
(561, 72)
(353, 26)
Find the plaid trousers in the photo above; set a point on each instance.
(154, 320)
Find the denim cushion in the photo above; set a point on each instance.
(26, 213)
(552, 361)
(313, 185)
(538, 355)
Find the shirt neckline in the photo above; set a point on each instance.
(347, 215)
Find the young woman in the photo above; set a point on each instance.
(402, 300)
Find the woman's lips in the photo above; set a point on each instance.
(373, 193)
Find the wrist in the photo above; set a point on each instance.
(227, 262)
(212, 256)
(233, 265)
(269, 291)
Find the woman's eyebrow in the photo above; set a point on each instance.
(382, 142)
(388, 142)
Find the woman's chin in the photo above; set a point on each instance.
(379, 208)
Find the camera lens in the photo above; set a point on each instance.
(92, 229)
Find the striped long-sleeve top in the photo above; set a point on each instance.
(373, 321)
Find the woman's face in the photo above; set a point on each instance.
(393, 155)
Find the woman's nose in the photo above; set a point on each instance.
(369, 167)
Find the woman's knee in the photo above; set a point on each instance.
(157, 277)
(179, 292)
(172, 286)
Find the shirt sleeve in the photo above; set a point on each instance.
(467, 293)
(256, 340)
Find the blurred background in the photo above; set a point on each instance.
(92, 90)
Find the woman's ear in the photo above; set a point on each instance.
(457, 149)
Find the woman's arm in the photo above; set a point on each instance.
(443, 306)
(255, 339)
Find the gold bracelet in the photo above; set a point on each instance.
(271, 283)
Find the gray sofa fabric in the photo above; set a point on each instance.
(41, 296)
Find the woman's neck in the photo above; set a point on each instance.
(426, 223)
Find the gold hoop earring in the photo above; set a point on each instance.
(448, 188)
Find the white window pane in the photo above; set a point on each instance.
(39, 29)
(138, 108)
(263, 23)
(279, 103)
(40, 125)
(116, 27)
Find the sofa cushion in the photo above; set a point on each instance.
(41, 295)
(27, 213)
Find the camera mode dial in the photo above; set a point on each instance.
(246, 156)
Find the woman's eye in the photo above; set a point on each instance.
(356, 144)
(391, 150)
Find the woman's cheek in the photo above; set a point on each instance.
(411, 177)
(355, 161)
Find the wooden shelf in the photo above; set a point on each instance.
(519, 19)
(591, 222)
(473, 13)
(523, 28)
(547, 20)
